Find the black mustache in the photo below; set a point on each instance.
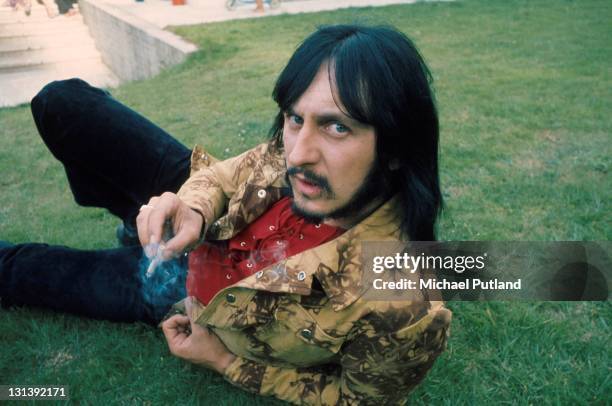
(311, 177)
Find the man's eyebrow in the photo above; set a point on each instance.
(290, 111)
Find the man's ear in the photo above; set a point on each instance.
(394, 165)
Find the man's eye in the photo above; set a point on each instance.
(339, 129)
(295, 119)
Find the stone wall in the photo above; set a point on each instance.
(132, 48)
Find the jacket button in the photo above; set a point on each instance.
(306, 333)
(230, 298)
(261, 193)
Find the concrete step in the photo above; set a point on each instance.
(37, 13)
(36, 50)
(93, 60)
(7, 11)
(56, 40)
(20, 87)
(40, 17)
(67, 31)
(51, 26)
(10, 60)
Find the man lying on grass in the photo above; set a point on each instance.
(262, 250)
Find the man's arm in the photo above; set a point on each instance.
(196, 344)
(375, 367)
(200, 201)
(209, 189)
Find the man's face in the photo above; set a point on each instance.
(330, 156)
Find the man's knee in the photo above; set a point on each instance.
(53, 95)
(60, 103)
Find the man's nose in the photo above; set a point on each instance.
(306, 149)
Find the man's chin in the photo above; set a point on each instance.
(310, 216)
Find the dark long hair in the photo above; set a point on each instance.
(381, 80)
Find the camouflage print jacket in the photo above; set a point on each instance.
(299, 328)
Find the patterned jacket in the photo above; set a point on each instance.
(300, 329)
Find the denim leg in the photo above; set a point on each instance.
(103, 284)
(114, 157)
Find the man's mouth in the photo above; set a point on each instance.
(309, 184)
(306, 187)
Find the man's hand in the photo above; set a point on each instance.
(201, 347)
(186, 224)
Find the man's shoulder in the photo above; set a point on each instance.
(270, 147)
(266, 154)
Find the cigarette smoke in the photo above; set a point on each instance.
(270, 254)
(166, 285)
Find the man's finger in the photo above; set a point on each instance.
(176, 321)
(174, 331)
(142, 222)
(142, 227)
(187, 227)
(171, 326)
(153, 201)
(177, 244)
(165, 208)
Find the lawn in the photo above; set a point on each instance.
(524, 93)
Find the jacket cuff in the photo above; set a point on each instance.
(245, 374)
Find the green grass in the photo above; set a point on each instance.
(524, 92)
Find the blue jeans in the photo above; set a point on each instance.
(115, 159)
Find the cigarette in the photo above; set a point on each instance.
(152, 266)
(155, 261)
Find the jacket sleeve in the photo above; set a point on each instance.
(374, 368)
(209, 188)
